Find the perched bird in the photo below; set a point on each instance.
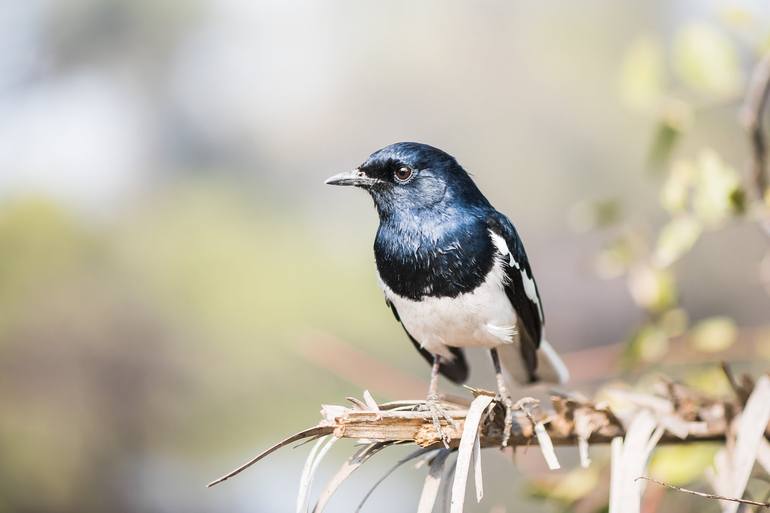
(454, 270)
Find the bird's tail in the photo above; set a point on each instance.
(550, 367)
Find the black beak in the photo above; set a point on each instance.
(355, 177)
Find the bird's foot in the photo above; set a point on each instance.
(507, 402)
(433, 405)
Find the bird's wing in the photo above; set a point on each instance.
(520, 287)
(455, 370)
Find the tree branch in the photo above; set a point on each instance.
(686, 415)
(706, 495)
(753, 111)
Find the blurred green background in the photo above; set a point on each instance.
(178, 288)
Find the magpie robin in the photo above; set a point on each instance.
(454, 270)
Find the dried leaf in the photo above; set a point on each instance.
(307, 433)
(750, 432)
(546, 446)
(470, 433)
(370, 402)
(617, 483)
(629, 459)
(433, 482)
(478, 477)
(583, 429)
(763, 455)
(317, 454)
(360, 457)
(409, 457)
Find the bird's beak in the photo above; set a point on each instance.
(355, 177)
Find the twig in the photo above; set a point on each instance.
(312, 432)
(753, 110)
(741, 393)
(706, 495)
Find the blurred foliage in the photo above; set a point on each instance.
(700, 193)
(680, 465)
(567, 490)
(643, 73)
(130, 333)
(675, 85)
(705, 60)
(714, 334)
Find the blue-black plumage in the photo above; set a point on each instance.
(453, 269)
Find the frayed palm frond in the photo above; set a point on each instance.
(675, 414)
(407, 458)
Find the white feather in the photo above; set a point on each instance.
(483, 317)
(529, 284)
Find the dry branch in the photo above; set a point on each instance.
(753, 112)
(673, 414)
(688, 416)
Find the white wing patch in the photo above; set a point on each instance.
(505, 333)
(529, 284)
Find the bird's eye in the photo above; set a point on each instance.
(403, 174)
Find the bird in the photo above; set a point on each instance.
(454, 272)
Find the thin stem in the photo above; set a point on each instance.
(706, 495)
(753, 111)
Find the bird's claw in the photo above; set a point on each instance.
(507, 402)
(433, 405)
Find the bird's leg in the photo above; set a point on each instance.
(433, 403)
(505, 397)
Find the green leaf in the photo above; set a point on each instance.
(648, 344)
(711, 381)
(737, 200)
(663, 142)
(714, 334)
(592, 214)
(572, 486)
(674, 322)
(706, 60)
(616, 257)
(642, 74)
(675, 119)
(681, 464)
(715, 188)
(652, 288)
(675, 239)
(676, 188)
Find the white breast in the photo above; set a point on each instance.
(483, 317)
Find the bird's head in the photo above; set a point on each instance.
(410, 176)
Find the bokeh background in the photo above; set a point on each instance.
(178, 288)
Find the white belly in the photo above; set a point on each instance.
(483, 317)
